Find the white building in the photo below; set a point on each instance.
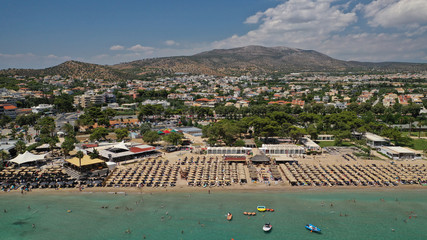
(42, 108)
(310, 144)
(164, 103)
(376, 141)
(400, 153)
(228, 150)
(282, 149)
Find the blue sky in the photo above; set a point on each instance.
(38, 34)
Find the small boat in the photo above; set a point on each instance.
(312, 228)
(261, 208)
(267, 227)
(229, 216)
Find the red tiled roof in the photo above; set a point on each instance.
(279, 102)
(9, 107)
(205, 100)
(90, 145)
(137, 149)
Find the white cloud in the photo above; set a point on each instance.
(171, 43)
(254, 18)
(334, 29)
(140, 48)
(397, 13)
(30, 60)
(295, 23)
(117, 47)
(376, 47)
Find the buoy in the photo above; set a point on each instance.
(68, 211)
(272, 210)
(244, 213)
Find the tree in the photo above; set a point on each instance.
(173, 138)
(239, 143)
(20, 146)
(225, 130)
(121, 133)
(13, 133)
(3, 156)
(67, 146)
(94, 154)
(297, 133)
(98, 134)
(151, 137)
(340, 136)
(52, 143)
(96, 115)
(64, 103)
(145, 127)
(312, 131)
(4, 120)
(80, 155)
(47, 127)
(420, 124)
(69, 130)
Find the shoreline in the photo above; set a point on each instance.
(251, 189)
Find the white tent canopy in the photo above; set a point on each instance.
(120, 145)
(27, 157)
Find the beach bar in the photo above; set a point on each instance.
(282, 149)
(400, 153)
(376, 141)
(228, 150)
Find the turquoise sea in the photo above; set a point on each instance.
(349, 214)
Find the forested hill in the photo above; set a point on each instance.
(73, 69)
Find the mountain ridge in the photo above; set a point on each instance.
(234, 61)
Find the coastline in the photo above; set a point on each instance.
(239, 189)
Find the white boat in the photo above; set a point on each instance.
(267, 227)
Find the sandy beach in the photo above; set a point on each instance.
(326, 172)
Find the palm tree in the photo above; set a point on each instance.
(28, 138)
(20, 146)
(420, 124)
(26, 128)
(3, 156)
(80, 155)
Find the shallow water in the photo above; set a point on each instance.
(354, 214)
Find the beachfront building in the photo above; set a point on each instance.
(376, 141)
(310, 144)
(85, 164)
(249, 143)
(119, 152)
(325, 137)
(235, 158)
(400, 153)
(228, 150)
(282, 149)
(260, 159)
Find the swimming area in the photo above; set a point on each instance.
(341, 214)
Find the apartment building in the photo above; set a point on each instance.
(87, 100)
